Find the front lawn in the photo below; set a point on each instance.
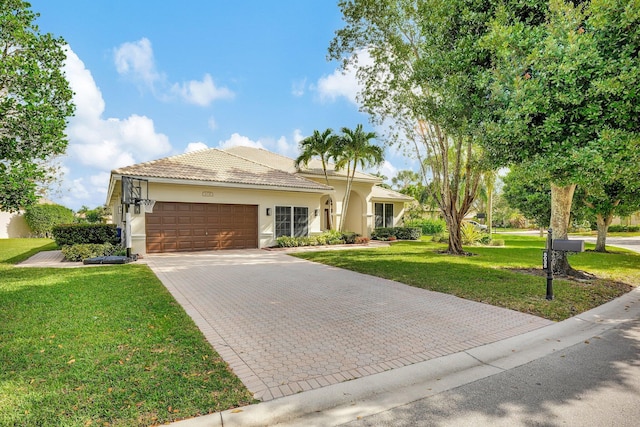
(101, 346)
(496, 275)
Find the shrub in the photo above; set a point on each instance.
(287, 242)
(306, 241)
(82, 251)
(624, 228)
(350, 237)
(71, 234)
(322, 239)
(333, 237)
(469, 234)
(382, 233)
(361, 240)
(440, 237)
(43, 218)
(517, 220)
(428, 226)
(402, 233)
(408, 233)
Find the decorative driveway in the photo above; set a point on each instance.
(286, 325)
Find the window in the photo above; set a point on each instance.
(383, 214)
(283, 221)
(292, 221)
(300, 222)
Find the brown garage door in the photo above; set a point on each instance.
(174, 227)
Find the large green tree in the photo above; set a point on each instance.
(528, 190)
(353, 149)
(610, 183)
(425, 81)
(562, 85)
(35, 102)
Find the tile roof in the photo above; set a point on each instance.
(382, 193)
(214, 165)
(278, 161)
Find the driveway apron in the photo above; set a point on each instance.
(286, 325)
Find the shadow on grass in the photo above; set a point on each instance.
(485, 277)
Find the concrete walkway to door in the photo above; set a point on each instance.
(286, 325)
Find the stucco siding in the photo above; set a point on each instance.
(13, 225)
(207, 194)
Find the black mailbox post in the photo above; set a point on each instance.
(559, 245)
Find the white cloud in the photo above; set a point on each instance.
(195, 146)
(343, 83)
(201, 93)
(297, 136)
(286, 148)
(135, 59)
(280, 145)
(298, 87)
(239, 140)
(213, 125)
(96, 144)
(338, 84)
(388, 170)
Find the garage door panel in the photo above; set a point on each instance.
(177, 226)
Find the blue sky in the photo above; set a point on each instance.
(154, 79)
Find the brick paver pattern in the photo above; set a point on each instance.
(286, 325)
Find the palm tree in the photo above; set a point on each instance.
(354, 148)
(318, 145)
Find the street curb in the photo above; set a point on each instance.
(351, 400)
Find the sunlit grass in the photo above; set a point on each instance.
(490, 275)
(101, 346)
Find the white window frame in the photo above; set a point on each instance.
(292, 221)
(385, 217)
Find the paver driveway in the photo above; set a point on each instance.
(287, 325)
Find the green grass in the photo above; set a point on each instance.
(101, 346)
(489, 275)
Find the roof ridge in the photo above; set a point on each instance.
(267, 166)
(253, 161)
(262, 149)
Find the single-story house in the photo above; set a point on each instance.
(241, 197)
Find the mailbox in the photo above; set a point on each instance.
(568, 245)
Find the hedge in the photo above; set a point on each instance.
(82, 251)
(331, 237)
(400, 233)
(624, 228)
(43, 218)
(428, 226)
(73, 234)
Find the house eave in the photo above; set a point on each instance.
(178, 181)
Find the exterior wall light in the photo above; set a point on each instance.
(268, 211)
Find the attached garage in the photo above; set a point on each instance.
(177, 227)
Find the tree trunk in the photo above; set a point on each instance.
(603, 226)
(455, 236)
(490, 209)
(345, 200)
(561, 198)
